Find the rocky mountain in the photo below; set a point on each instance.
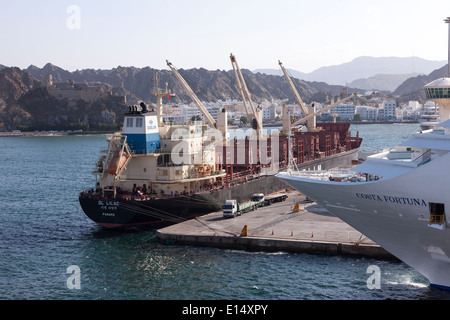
(14, 83)
(58, 74)
(208, 85)
(412, 87)
(24, 103)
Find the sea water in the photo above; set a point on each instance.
(49, 249)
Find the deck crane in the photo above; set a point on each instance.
(254, 116)
(297, 96)
(309, 116)
(311, 125)
(194, 97)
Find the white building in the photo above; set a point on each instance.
(273, 111)
(390, 109)
(189, 111)
(411, 111)
(367, 113)
(171, 119)
(413, 105)
(266, 115)
(345, 111)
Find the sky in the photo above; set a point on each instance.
(305, 35)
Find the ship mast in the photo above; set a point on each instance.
(438, 90)
(447, 21)
(159, 93)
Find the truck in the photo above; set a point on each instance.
(268, 200)
(258, 197)
(229, 209)
(232, 208)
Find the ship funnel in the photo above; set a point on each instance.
(144, 107)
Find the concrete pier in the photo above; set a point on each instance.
(277, 227)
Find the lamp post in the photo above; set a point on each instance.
(447, 20)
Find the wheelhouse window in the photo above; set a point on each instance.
(139, 122)
(437, 93)
(130, 122)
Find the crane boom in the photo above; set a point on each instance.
(194, 97)
(294, 90)
(309, 116)
(244, 92)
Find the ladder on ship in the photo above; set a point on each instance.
(437, 218)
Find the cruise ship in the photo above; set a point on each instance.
(429, 117)
(398, 198)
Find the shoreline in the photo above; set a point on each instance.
(272, 125)
(52, 133)
(77, 132)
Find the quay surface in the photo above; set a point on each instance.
(276, 227)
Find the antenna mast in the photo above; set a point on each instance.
(447, 21)
(159, 93)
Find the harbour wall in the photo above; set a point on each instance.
(275, 245)
(278, 227)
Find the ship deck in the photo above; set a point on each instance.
(277, 227)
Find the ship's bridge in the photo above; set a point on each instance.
(141, 129)
(438, 91)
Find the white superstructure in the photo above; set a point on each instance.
(429, 117)
(399, 198)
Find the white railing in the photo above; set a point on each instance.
(335, 175)
(327, 175)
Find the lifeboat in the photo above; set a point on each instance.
(204, 170)
(117, 162)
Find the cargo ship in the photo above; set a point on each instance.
(155, 174)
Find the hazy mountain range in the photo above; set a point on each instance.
(385, 73)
